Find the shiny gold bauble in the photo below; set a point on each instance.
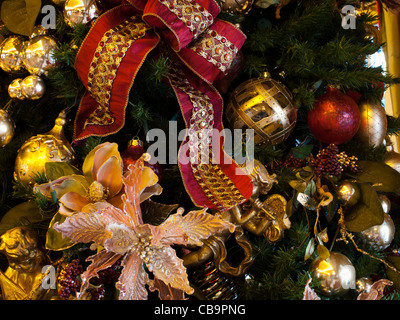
(33, 87)
(37, 55)
(385, 202)
(380, 236)
(392, 158)
(364, 284)
(15, 89)
(264, 105)
(10, 55)
(42, 148)
(236, 6)
(348, 193)
(373, 125)
(336, 275)
(7, 128)
(80, 11)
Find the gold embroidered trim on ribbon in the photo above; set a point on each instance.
(196, 18)
(105, 63)
(217, 186)
(216, 49)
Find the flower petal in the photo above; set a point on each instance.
(100, 261)
(133, 278)
(194, 227)
(121, 239)
(149, 178)
(83, 227)
(150, 191)
(97, 157)
(110, 175)
(167, 267)
(63, 185)
(73, 201)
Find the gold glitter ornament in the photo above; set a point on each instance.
(7, 128)
(380, 236)
(336, 275)
(33, 87)
(373, 125)
(15, 89)
(37, 55)
(265, 105)
(80, 11)
(10, 55)
(42, 148)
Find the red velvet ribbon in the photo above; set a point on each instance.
(189, 51)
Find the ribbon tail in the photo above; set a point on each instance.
(107, 63)
(211, 178)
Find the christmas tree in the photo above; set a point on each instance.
(114, 173)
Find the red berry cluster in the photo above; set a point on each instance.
(69, 280)
(329, 162)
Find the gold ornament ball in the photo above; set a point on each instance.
(386, 204)
(33, 87)
(364, 284)
(236, 6)
(15, 89)
(336, 274)
(380, 236)
(42, 148)
(393, 158)
(80, 11)
(37, 55)
(264, 105)
(373, 124)
(10, 55)
(348, 193)
(7, 128)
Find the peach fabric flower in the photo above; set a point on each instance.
(101, 181)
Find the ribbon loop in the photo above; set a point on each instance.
(180, 21)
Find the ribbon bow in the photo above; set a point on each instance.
(200, 50)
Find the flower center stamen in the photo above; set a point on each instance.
(97, 192)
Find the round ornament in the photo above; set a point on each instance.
(348, 193)
(10, 55)
(264, 105)
(15, 89)
(392, 158)
(42, 148)
(380, 236)
(385, 202)
(33, 87)
(236, 6)
(335, 117)
(80, 11)
(37, 55)
(373, 124)
(336, 274)
(7, 128)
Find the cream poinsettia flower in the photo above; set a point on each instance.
(121, 233)
(101, 181)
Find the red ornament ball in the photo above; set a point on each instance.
(133, 152)
(335, 118)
